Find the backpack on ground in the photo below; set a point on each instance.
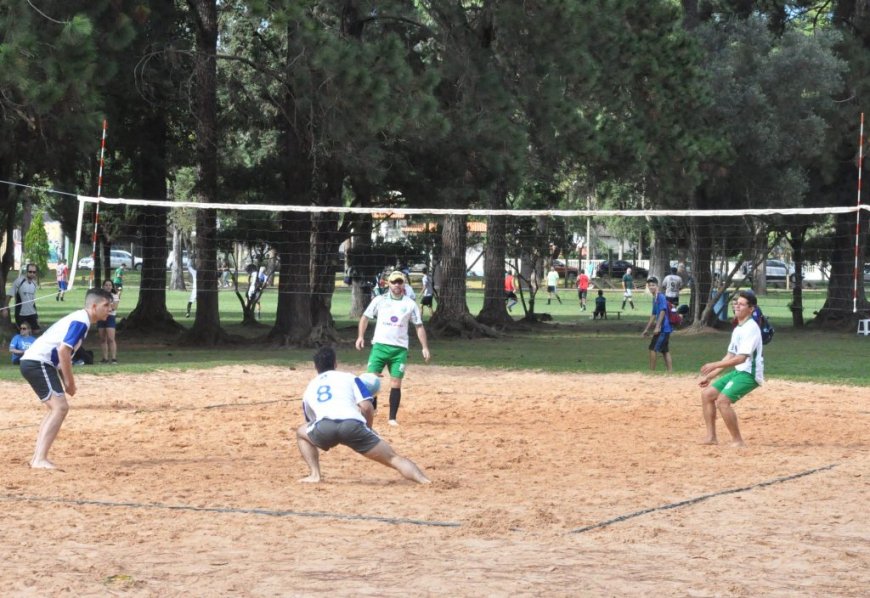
(764, 324)
(674, 316)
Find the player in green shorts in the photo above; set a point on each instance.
(394, 312)
(745, 355)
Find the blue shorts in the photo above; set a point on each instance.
(109, 323)
(659, 342)
(62, 285)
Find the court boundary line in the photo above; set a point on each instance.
(697, 499)
(231, 510)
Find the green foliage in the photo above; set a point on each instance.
(36, 250)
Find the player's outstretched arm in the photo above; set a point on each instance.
(361, 333)
(421, 334)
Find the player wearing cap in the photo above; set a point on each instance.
(394, 311)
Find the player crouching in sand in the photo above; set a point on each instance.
(744, 353)
(51, 352)
(338, 410)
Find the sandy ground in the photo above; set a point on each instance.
(184, 484)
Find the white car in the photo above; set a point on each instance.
(775, 271)
(117, 257)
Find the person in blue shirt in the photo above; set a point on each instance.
(661, 325)
(21, 342)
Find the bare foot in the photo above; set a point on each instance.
(709, 441)
(738, 444)
(312, 479)
(42, 464)
(424, 481)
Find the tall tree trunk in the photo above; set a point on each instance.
(325, 239)
(206, 329)
(796, 239)
(150, 313)
(452, 317)
(293, 318)
(494, 311)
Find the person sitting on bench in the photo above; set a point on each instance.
(600, 306)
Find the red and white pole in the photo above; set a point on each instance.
(97, 205)
(858, 273)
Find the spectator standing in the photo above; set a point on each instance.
(627, 288)
(672, 283)
(428, 293)
(24, 298)
(582, 289)
(62, 276)
(106, 328)
(192, 298)
(118, 278)
(661, 325)
(510, 290)
(553, 285)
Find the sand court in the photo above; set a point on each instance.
(185, 483)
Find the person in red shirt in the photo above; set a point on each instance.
(510, 294)
(582, 289)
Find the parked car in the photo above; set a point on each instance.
(116, 259)
(561, 269)
(776, 271)
(617, 268)
(866, 272)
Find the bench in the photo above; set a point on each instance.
(609, 313)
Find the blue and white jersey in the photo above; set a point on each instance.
(393, 317)
(334, 395)
(70, 330)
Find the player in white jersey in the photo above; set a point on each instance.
(51, 352)
(394, 311)
(338, 410)
(745, 354)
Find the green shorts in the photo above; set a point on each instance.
(735, 385)
(388, 355)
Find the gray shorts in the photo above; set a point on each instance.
(43, 378)
(352, 433)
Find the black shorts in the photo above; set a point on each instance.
(43, 378)
(510, 295)
(352, 433)
(673, 300)
(427, 301)
(581, 294)
(551, 288)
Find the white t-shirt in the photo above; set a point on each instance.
(70, 330)
(552, 278)
(393, 317)
(334, 395)
(427, 286)
(746, 340)
(672, 284)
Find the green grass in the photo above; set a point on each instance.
(572, 342)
